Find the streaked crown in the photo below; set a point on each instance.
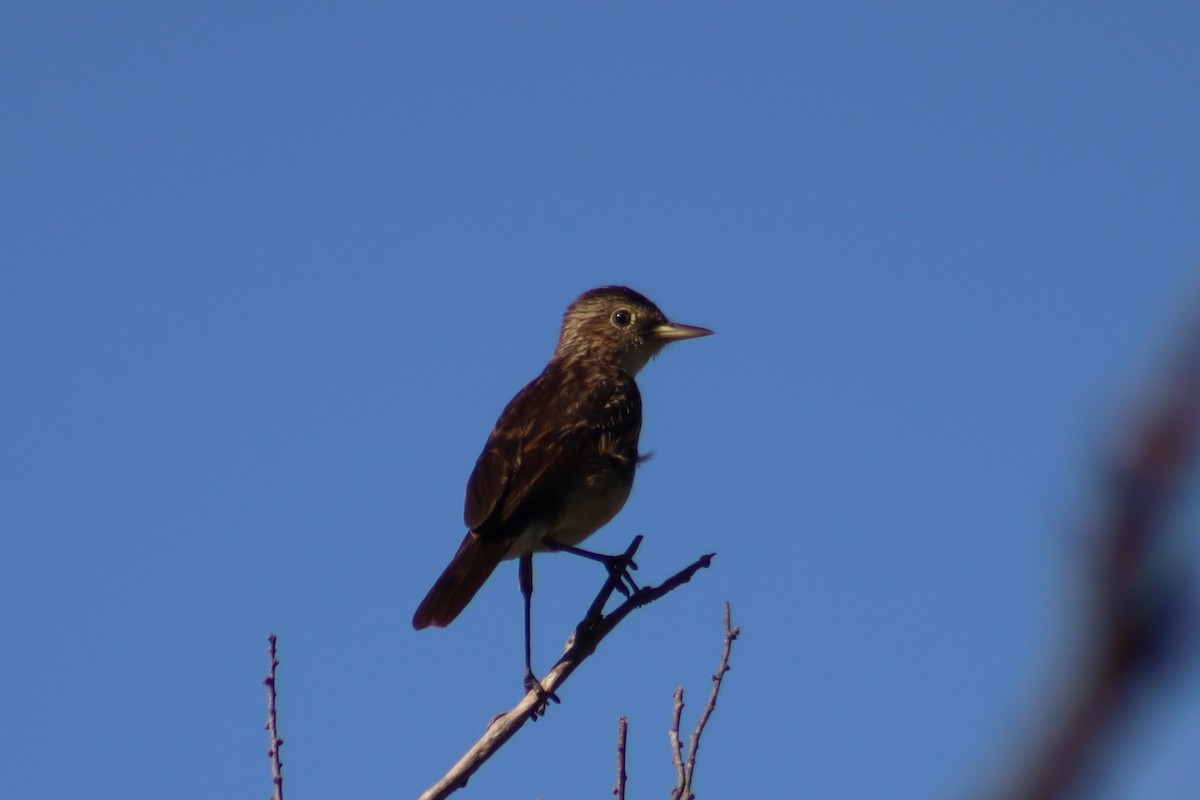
(619, 326)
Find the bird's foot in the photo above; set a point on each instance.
(618, 566)
(618, 572)
(545, 697)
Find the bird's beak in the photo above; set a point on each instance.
(674, 331)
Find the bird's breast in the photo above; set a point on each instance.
(586, 504)
(591, 506)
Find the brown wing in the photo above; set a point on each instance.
(570, 411)
(546, 426)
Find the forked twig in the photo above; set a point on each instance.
(590, 631)
(685, 772)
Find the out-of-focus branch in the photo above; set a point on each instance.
(592, 630)
(273, 726)
(685, 772)
(1139, 593)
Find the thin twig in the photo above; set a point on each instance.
(273, 726)
(677, 745)
(622, 776)
(588, 634)
(685, 773)
(731, 633)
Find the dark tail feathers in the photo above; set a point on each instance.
(474, 562)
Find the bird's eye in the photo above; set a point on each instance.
(621, 318)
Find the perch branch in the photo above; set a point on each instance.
(590, 631)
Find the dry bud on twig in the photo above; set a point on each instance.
(273, 726)
(622, 776)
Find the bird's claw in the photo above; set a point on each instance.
(545, 696)
(618, 572)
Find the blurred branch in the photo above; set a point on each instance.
(1140, 592)
(273, 726)
(591, 630)
(685, 772)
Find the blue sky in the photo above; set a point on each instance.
(272, 270)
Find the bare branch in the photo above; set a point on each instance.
(731, 633)
(622, 776)
(677, 746)
(273, 726)
(592, 630)
(685, 773)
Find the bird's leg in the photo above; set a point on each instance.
(525, 573)
(618, 566)
(526, 578)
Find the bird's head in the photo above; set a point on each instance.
(619, 326)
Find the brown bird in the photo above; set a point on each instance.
(560, 461)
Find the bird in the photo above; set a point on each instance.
(560, 461)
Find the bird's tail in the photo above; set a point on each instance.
(474, 562)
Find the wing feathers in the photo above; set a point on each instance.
(542, 431)
(571, 413)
